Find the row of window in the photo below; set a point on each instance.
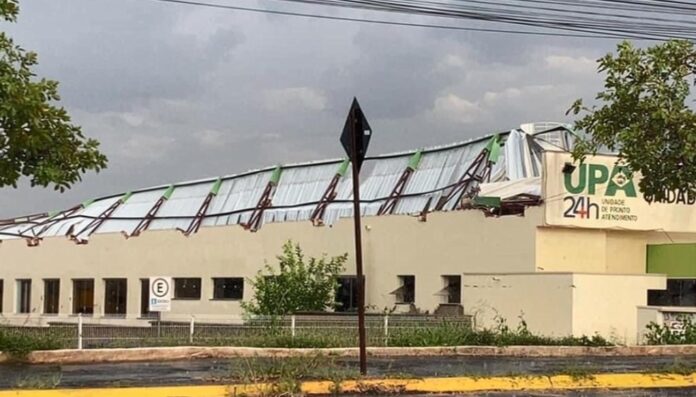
(347, 300)
(115, 294)
(229, 288)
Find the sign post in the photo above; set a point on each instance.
(355, 140)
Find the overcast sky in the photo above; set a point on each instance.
(175, 92)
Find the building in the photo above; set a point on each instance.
(571, 249)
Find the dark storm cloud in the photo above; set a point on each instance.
(176, 93)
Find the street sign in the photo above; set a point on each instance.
(355, 139)
(356, 122)
(160, 294)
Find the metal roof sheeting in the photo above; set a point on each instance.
(301, 187)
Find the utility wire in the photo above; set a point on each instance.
(582, 32)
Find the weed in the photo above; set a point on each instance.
(42, 381)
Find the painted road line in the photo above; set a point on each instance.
(372, 386)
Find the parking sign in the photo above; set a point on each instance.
(160, 294)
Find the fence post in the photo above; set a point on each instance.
(292, 326)
(79, 331)
(191, 329)
(386, 330)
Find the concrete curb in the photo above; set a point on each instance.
(189, 353)
(390, 386)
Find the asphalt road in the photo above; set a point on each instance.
(195, 372)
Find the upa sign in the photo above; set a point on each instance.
(160, 294)
(601, 193)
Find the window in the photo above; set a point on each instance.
(406, 293)
(228, 288)
(145, 299)
(453, 289)
(23, 296)
(187, 288)
(83, 296)
(680, 292)
(115, 296)
(51, 296)
(2, 293)
(347, 294)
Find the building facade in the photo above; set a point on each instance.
(532, 242)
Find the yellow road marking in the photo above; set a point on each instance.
(426, 385)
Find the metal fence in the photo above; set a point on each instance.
(289, 331)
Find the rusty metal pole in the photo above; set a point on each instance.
(358, 246)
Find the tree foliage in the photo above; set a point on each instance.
(301, 284)
(643, 115)
(37, 138)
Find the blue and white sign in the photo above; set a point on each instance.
(160, 294)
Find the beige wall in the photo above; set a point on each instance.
(597, 251)
(561, 304)
(543, 300)
(607, 304)
(448, 243)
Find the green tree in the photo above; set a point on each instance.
(643, 115)
(37, 138)
(301, 284)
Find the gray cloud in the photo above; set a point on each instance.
(176, 93)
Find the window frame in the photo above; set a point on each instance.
(185, 298)
(446, 279)
(20, 282)
(74, 301)
(403, 284)
(215, 288)
(46, 312)
(119, 280)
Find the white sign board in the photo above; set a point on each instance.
(601, 194)
(160, 294)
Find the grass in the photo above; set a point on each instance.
(36, 382)
(17, 346)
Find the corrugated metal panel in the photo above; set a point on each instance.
(138, 205)
(185, 202)
(305, 183)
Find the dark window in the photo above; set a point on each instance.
(83, 296)
(679, 292)
(145, 299)
(453, 289)
(406, 293)
(2, 293)
(347, 294)
(115, 296)
(228, 288)
(187, 288)
(23, 296)
(51, 296)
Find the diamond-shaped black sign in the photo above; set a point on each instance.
(356, 123)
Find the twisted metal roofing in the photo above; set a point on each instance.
(232, 199)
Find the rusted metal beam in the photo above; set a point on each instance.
(478, 171)
(94, 225)
(200, 214)
(264, 202)
(329, 195)
(145, 222)
(390, 204)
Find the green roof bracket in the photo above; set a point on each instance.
(216, 187)
(275, 176)
(487, 201)
(493, 148)
(168, 193)
(415, 160)
(125, 197)
(343, 168)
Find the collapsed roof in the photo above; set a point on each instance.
(506, 166)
